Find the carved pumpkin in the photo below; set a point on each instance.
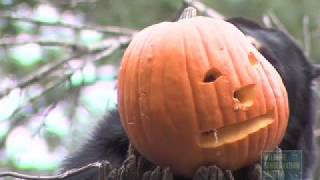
(196, 92)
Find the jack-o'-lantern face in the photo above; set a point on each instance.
(196, 92)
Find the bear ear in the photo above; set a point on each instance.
(315, 71)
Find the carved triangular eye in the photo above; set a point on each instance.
(211, 75)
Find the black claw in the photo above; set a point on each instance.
(215, 173)
(130, 160)
(255, 172)
(156, 174)
(130, 169)
(146, 175)
(142, 166)
(113, 175)
(167, 175)
(104, 170)
(228, 175)
(201, 174)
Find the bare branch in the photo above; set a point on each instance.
(306, 35)
(44, 115)
(75, 104)
(15, 121)
(279, 25)
(38, 75)
(276, 21)
(16, 40)
(111, 44)
(120, 40)
(105, 48)
(266, 21)
(74, 3)
(203, 9)
(188, 12)
(106, 52)
(45, 71)
(103, 29)
(64, 175)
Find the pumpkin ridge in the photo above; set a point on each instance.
(173, 125)
(126, 64)
(145, 123)
(238, 79)
(122, 72)
(205, 47)
(141, 120)
(248, 114)
(233, 68)
(276, 102)
(283, 93)
(225, 40)
(260, 102)
(195, 112)
(270, 136)
(146, 38)
(258, 67)
(279, 110)
(251, 139)
(285, 111)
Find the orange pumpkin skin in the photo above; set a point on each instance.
(196, 92)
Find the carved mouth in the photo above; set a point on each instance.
(217, 137)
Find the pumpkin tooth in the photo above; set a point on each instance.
(217, 137)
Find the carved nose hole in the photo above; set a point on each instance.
(244, 97)
(211, 76)
(252, 58)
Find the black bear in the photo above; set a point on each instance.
(109, 141)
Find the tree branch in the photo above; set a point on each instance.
(306, 36)
(276, 21)
(108, 46)
(112, 43)
(16, 121)
(38, 75)
(64, 175)
(103, 29)
(17, 40)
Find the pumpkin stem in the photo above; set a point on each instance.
(188, 12)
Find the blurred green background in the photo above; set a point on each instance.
(41, 124)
